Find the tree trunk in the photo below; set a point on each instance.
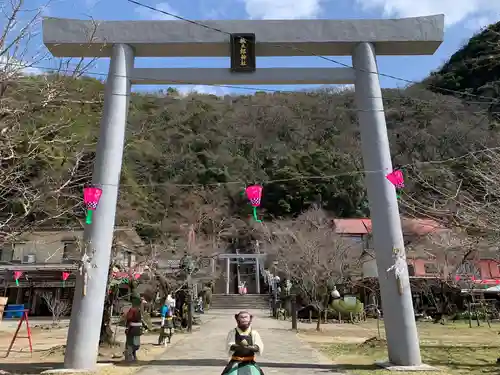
(442, 306)
(165, 289)
(321, 310)
(107, 335)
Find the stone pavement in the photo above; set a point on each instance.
(202, 352)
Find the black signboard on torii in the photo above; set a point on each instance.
(243, 57)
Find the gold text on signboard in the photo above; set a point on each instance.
(243, 52)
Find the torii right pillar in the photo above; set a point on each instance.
(399, 318)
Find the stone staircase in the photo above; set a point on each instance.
(240, 302)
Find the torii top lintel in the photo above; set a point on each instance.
(83, 38)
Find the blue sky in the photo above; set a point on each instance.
(463, 18)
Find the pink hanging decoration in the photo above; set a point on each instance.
(457, 278)
(65, 276)
(254, 195)
(91, 196)
(17, 275)
(396, 178)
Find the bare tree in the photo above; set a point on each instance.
(18, 37)
(313, 256)
(56, 306)
(469, 199)
(453, 254)
(468, 203)
(43, 164)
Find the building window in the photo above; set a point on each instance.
(120, 257)
(124, 258)
(129, 259)
(431, 268)
(364, 241)
(6, 254)
(70, 250)
(411, 270)
(369, 241)
(357, 239)
(468, 269)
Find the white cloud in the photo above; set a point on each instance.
(345, 88)
(31, 71)
(477, 23)
(213, 14)
(13, 66)
(455, 11)
(282, 9)
(150, 14)
(202, 89)
(91, 3)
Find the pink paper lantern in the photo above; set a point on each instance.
(17, 276)
(91, 197)
(65, 276)
(254, 194)
(396, 178)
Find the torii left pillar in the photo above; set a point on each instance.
(86, 314)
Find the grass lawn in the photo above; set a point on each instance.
(454, 348)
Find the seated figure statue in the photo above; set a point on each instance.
(243, 343)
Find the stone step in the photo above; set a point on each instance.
(236, 301)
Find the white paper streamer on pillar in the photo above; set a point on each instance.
(398, 267)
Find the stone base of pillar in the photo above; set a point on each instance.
(70, 371)
(392, 367)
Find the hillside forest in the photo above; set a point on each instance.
(188, 158)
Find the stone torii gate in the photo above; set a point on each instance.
(361, 39)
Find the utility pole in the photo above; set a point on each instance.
(90, 289)
(293, 311)
(188, 267)
(190, 303)
(399, 317)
